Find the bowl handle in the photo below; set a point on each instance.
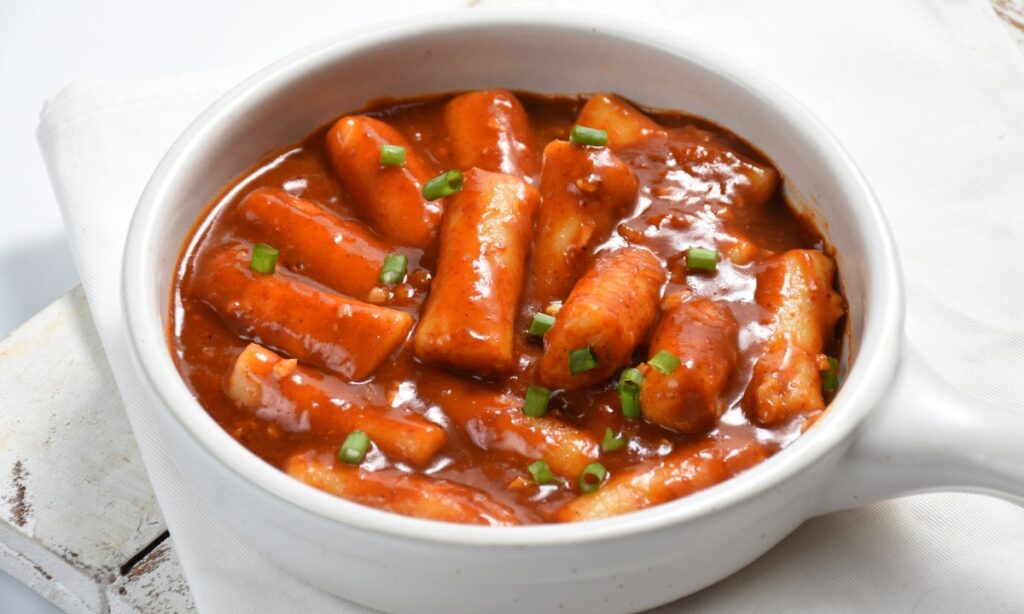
(925, 436)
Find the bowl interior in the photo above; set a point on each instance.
(517, 51)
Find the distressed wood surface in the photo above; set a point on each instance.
(154, 585)
(1012, 14)
(78, 521)
(76, 505)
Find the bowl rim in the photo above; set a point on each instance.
(866, 382)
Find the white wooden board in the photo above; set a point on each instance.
(75, 504)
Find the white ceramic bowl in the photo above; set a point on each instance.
(894, 428)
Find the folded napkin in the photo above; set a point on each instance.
(929, 99)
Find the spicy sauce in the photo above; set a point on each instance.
(674, 210)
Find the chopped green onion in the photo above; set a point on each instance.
(444, 184)
(541, 472)
(592, 477)
(536, 404)
(629, 392)
(264, 258)
(701, 259)
(612, 442)
(581, 360)
(392, 155)
(393, 271)
(830, 378)
(666, 362)
(582, 135)
(353, 451)
(540, 324)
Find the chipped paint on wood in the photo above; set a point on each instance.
(75, 504)
(154, 585)
(1011, 12)
(19, 507)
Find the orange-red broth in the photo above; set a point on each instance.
(205, 350)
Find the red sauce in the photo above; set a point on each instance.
(674, 210)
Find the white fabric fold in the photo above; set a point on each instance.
(929, 99)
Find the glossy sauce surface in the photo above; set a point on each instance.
(678, 206)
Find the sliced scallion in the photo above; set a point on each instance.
(629, 392)
(701, 259)
(264, 258)
(540, 324)
(353, 451)
(541, 472)
(611, 441)
(392, 155)
(581, 360)
(393, 271)
(830, 378)
(664, 361)
(444, 184)
(536, 404)
(592, 477)
(583, 135)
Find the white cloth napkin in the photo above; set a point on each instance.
(929, 99)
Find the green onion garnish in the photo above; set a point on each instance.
(592, 477)
(264, 258)
(582, 135)
(830, 378)
(353, 451)
(541, 472)
(611, 441)
(666, 362)
(536, 404)
(444, 184)
(581, 360)
(393, 271)
(392, 155)
(701, 259)
(540, 324)
(629, 392)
